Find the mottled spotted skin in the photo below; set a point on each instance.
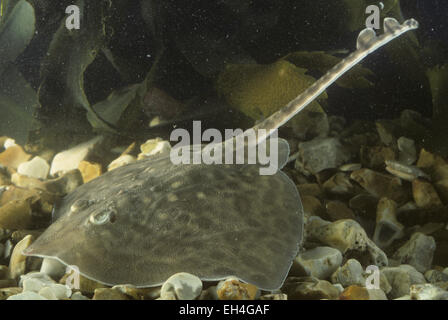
(213, 221)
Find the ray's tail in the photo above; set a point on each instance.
(367, 42)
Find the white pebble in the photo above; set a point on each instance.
(121, 161)
(56, 291)
(53, 268)
(320, 262)
(69, 159)
(78, 296)
(34, 281)
(9, 143)
(183, 285)
(35, 168)
(28, 295)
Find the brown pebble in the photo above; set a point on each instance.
(109, 294)
(354, 293)
(425, 196)
(13, 157)
(338, 210)
(89, 170)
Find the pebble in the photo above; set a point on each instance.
(36, 168)
(405, 172)
(346, 235)
(78, 296)
(355, 292)
(181, 286)
(351, 273)
(434, 276)
(274, 296)
(70, 159)
(440, 172)
(29, 295)
(339, 184)
(309, 288)
(401, 278)
(109, 294)
(418, 252)
(427, 292)
(121, 161)
(380, 185)
(319, 262)
(18, 262)
(442, 190)
(16, 214)
(139, 293)
(364, 205)
(86, 286)
(234, 289)
(320, 154)
(56, 291)
(374, 157)
(349, 167)
(89, 170)
(8, 292)
(13, 156)
(386, 131)
(407, 151)
(35, 281)
(429, 161)
(9, 143)
(312, 206)
(387, 228)
(154, 146)
(310, 189)
(338, 210)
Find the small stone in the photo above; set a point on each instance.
(320, 154)
(381, 185)
(64, 184)
(139, 293)
(387, 227)
(310, 189)
(7, 142)
(427, 292)
(417, 252)
(364, 205)
(274, 296)
(183, 286)
(434, 276)
(4, 272)
(109, 294)
(89, 170)
(36, 168)
(78, 296)
(121, 161)
(56, 291)
(442, 189)
(440, 172)
(355, 292)
(374, 157)
(339, 184)
(351, 273)
(407, 150)
(29, 295)
(405, 172)
(425, 196)
(309, 288)
(34, 281)
(233, 289)
(338, 210)
(68, 160)
(7, 283)
(401, 278)
(312, 206)
(8, 292)
(346, 235)
(320, 262)
(386, 130)
(18, 262)
(349, 167)
(429, 161)
(155, 146)
(16, 214)
(13, 156)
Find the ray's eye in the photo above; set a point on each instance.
(102, 217)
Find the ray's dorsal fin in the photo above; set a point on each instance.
(367, 42)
